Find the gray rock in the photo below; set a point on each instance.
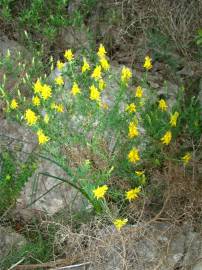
(47, 194)
(11, 45)
(10, 241)
(17, 138)
(198, 266)
(74, 38)
(23, 142)
(158, 246)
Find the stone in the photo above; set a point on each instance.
(11, 45)
(17, 138)
(46, 194)
(10, 241)
(157, 246)
(23, 142)
(197, 266)
(74, 38)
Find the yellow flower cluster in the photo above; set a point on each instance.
(148, 63)
(131, 108)
(30, 117)
(44, 90)
(42, 138)
(126, 74)
(104, 64)
(59, 80)
(100, 192)
(94, 93)
(14, 104)
(75, 89)
(139, 92)
(36, 101)
(132, 194)
(162, 105)
(167, 137)
(102, 58)
(60, 65)
(97, 73)
(101, 84)
(85, 66)
(133, 131)
(186, 158)
(173, 119)
(101, 52)
(119, 223)
(133, 155)
(69, 55)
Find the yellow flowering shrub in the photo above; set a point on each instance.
(117, 138)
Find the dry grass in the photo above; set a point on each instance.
(130, 20)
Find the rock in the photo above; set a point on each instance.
(198, 266)
(43, 193)
(11, 45)
(23, 142)
(10, 241)
(17, 138)
(158, 246)
(74, 38)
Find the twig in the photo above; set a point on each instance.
(48, 265)
(17, 263)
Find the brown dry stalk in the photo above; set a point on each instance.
(48, 265)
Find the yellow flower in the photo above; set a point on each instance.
(36, 101)
(85, 66)
(186, 158)
(14, 104)
(46, 91)
(97, 73)
(162, 105)
(46, 118)
(59, 80)
(119, 223)
(104, 63)
(139, 92)
(133, 131)
(139, 173)
(42, 138)
(166, 138)
(30, 117)
(59, 108)
(75, 89)
(101, 51)
(60, 65)
(132, 194)
(38, 86)
(100, 192)
(173, 119)
(126, 74)
(69, 55)
(101, 84)
(133, 155)
(131, 108)
(94, 93)
(148, 63)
